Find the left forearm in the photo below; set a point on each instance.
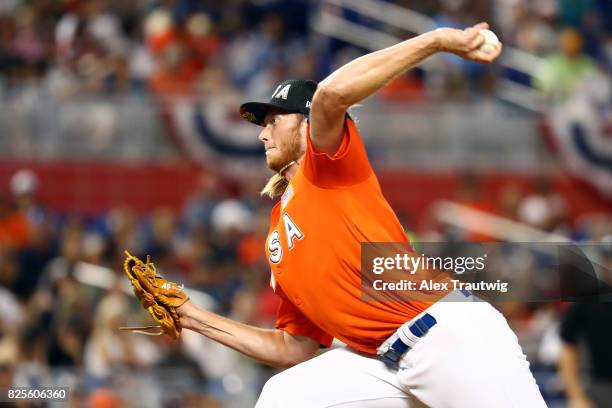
(363, 76)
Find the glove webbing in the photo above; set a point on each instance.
(156, 305)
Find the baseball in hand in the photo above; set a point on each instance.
(490, 41)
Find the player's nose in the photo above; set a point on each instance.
(264, 135)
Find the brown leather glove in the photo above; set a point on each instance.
(160, 297)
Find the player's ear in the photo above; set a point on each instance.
(304, 123)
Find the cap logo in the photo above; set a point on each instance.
(283, 93)
(308, 104)
(249, 116)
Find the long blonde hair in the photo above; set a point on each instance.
(276, 186)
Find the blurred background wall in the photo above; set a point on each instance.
(119, 129)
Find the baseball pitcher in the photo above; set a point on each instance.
(456, 352)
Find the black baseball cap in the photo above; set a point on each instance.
(292, 96)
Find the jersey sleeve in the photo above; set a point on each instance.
(347, 167)
(290, 319)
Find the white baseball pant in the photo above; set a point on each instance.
(470, 358)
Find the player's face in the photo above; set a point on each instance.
(284, 138)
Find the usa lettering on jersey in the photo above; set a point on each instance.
(275, 247)
(292, 233)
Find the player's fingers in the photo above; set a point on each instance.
(485, 58)
(478, 56)
(497, 51)
(491, 56)
(476, 42)
(470, 32)
(481, 26)
(472, 39)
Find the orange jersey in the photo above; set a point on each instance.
(330, 207)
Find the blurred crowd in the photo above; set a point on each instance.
(100, 46)
(76, 47)
(61, 288)
(63, 301)
(62, 296)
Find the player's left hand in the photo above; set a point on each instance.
(160, 297)
(466, 43)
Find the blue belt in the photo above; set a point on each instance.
(419, 328)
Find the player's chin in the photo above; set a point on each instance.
(274, 162)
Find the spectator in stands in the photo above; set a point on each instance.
(14, 226)
(588, 324)
(199, 207)
(121, 227)
(544, 208)
(572, 13)
(108, 349)
(104, 398)
(32, 370)
(28, 44)
(533, 33)
(179, 56)
(38, 249)
(67, 342)
(24, 188)
(32, 259)
(561, 72)
(174, 74)
(201, 39)
(250, 54)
